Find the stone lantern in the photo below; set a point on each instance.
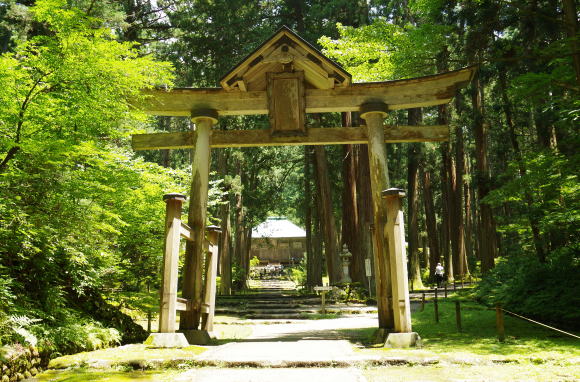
(345, 259)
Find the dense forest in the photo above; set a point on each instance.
(81, 214)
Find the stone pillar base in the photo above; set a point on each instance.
(403, 340)
(166, 340)
(198, 337)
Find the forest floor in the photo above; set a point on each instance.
(342, 349)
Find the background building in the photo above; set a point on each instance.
(278, 241)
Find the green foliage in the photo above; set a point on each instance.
(254, 261)
(385, 51)
(77, 211)
(238, 277)
(544, 291)
(74, 337)
(547, 192)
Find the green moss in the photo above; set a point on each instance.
(525, 342)
(125, 355)
(82, 375)
(472, 373)
(320, 316)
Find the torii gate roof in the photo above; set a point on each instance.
(319, 85)
(284, 47)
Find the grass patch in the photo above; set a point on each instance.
(524, 342)
(319, 316)
(472, 373)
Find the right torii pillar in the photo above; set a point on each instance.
(390, 258)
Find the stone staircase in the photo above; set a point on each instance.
(278, 300)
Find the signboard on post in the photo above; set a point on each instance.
(322, 288)
(368, 267)
(369, 274)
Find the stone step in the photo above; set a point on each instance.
(272, 306)
(285, 316)
(296, 301)
(244, 312)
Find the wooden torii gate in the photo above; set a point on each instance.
(286, 78)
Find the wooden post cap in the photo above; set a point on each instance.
(174, 196)
(391, 192)
(373, 107)
(213, 228)
(211, 114)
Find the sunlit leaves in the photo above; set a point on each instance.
(385, 51)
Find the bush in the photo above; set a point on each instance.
(297, 273)
(75, 337)
(547, 291)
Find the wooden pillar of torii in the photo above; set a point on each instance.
(286, 78)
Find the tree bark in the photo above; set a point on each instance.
(414, 155)
(224, 253)
(488, 242)
(571, 25)
(239, 236)
(308, 219)
(317, 237)
(431, 223)
(445, 199)
(327, 217)
(459, 229)
(349, 209)
(365, 207)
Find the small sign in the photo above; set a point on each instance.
(368, 267)
(322, 288)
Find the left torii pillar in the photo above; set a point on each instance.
(192, 287)
(167, 337)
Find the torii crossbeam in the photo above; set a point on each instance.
(286, 78)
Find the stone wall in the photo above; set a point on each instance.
(18, 362)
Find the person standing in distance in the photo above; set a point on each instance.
(439, 272)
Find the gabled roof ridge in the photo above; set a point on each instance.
(269, 39)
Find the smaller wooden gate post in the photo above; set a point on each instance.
(168, 303)
(395, 232)
(211, 265)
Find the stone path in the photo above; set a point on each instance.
(310, 342)
(269, 375)
(296, 350)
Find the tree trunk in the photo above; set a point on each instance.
(468, 223)
(459, 229)
(445, 199)
(316, 266)
(327, 217)
(349, 209)
(308, 219)
(571, 24)
(365, 207)
(431, 223)
(487, 241)
(239, 233)
(224, 253)
(414, 155)
(317, 238)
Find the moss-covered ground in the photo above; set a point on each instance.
(524, 342)
(529, 352)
